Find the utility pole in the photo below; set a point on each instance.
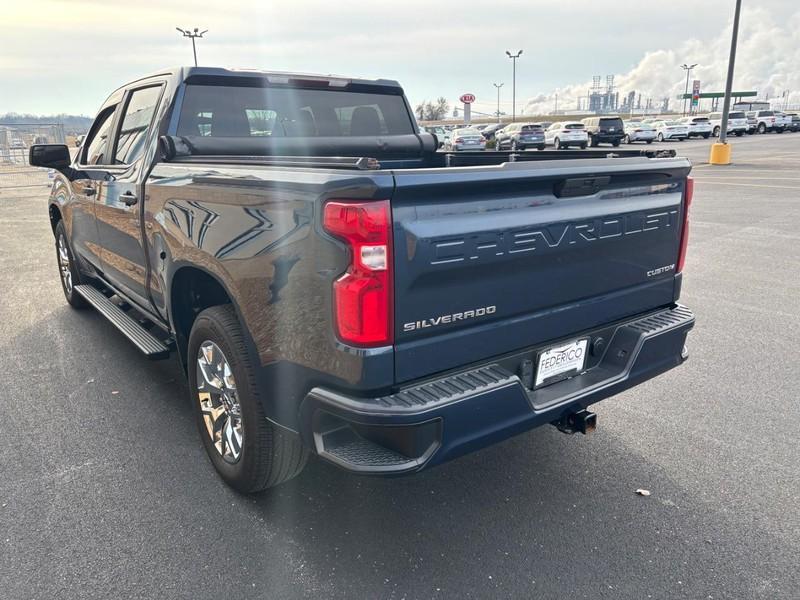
(514, 58)
(498, 86)
(721, 152)
(193, 34)
(688, 69)
(555, 110)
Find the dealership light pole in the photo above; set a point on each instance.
(193, 34)
(514, 58)
(721, 151)
(688, 69)
(498, 86)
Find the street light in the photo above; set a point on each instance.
(498, 86)
(721, 151)
(514, 58)
(688, 69)
(192, 34)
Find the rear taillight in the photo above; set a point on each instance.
(362, 297)
(687, 203)
(459, 140)
(565, 131)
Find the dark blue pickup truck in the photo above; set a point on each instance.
(333, 284)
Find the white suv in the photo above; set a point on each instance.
(765, 120)
(698, 126)
(737, 122)
(563, 135)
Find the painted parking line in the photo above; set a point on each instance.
(756, 185)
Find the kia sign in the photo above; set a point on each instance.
(467, 98)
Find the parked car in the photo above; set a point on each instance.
(439, 132)
(737, 123)
(566, 134)
(491, 130)
(752, 123)
(374, 303)
(639, 131)
(670, 130)
(520, 136)
(783, 121)
(795, 122)
(698, 126)
(465, 139)
(765, 121)
(604, 130)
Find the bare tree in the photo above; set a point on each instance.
(432, 111)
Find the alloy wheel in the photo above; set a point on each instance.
(64, 265)
(219, 403)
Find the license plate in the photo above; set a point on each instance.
(560, 362)
(611, 129)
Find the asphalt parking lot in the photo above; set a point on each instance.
(107, 493)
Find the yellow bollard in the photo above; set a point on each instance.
(720, 154)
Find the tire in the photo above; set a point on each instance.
(649, 141)
(583, 146)
(706, 136)
(739, 133)
(67, 269)
(267, 454)
(540, 148)
(592, 143)
(627, 139)
(762, 128)
(660, 137)
(513, 145)
(716, 131)
(779, 131)
(615, 143)
(556, 144)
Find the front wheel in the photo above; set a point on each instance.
(660, 137)
(68, 270)
(556, 144)
(716, 131)
(762, 128)
(627, 139)
(247, 450)
(513, 145)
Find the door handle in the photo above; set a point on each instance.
(128, 198)
(88, 190)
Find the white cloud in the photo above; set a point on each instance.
(768, 55)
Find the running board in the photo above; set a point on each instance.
(147, 344)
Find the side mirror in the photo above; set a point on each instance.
(50, 156)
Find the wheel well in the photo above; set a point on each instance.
(55, 216)
(192, 292)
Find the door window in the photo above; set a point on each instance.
(133, 131)
(96, 147)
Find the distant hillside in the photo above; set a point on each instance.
(73, 124)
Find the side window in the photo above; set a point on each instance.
(95, 149)
(133, 131)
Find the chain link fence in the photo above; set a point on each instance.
(16, 176)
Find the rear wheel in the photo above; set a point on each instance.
(762, 128)
(513, 145)
(592, 143)
(716, 131)
(248, 452)
(627, 139)
(615, 143)
(557, 144)
(540, 147)
(649, 141)
(68, 270)
(706, 136)
(583, 146)
(660, 137)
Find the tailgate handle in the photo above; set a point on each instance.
(580, 186)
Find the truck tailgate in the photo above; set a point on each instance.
(489, 260)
